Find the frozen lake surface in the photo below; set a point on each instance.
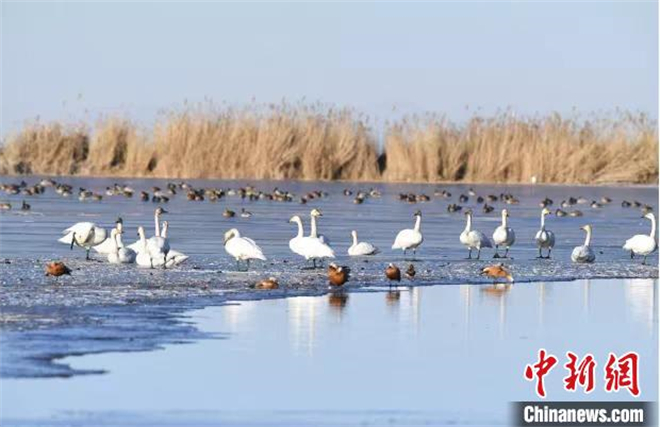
(415, 356)
(359, 353)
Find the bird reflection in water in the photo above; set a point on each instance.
(392, 298)
(338, 300)
(499, 292)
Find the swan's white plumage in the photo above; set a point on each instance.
(643, 244)
(361, 248)
(307, 246)
(410, 238)
(87, 234)
(120, 255)
(545, 239)
(584, 253)
(242, 248)
(473, 239)
(504, 235)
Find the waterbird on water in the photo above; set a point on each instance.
(584, 253)
(393, 273)
(410, 238)
(270, 283)
(338, 275)
(410, 272)
(57, 268)
(496, 272)
(473, 239)
(545, 239)
(504, 235)
(643, 244)
(242, 248)
(361, 248)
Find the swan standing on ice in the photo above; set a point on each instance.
(503, 236)
(584, 253)
(643, 244)
(410, 238)
(473, 239)
(315, 213)
(361, 248)
(242, 248)
(83, 234)
(157, 214)
(121, 255)
(545, 239)
(308, 247)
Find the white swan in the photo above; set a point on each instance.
(315, 213)
(174, 257)
(136, 246)
(143, 259)
(503, 235)
(121, 255)
(158, 248)
(361, 248)
(643, 244)
(308, 247)
(545, 239)
(584, 253)
(107, 246)
(83, 234)
(410, 238)
(473, 239)
(242, 248)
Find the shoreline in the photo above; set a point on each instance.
(164, 318)
(342, 181)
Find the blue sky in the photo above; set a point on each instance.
(77, 61)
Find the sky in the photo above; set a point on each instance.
(79, 61)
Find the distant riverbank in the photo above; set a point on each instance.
(312, 142)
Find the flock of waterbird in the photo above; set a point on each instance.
(156, 251)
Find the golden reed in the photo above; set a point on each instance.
(312, 142)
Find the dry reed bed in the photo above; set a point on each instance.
(317, 143)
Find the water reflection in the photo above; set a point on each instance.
(236, 313)
(641, 295)
(337, 301)
(499, 292)
(392, 299)
(304, 313)
(409, 307)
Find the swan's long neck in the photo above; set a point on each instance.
(164, 234)
(300, 228)
(355, 240)
(652, 227)
(505, 221)
(542, 221)
(157, 226)
(143, 240)
(312, 232)
(468, 224)
(587, 240)
(114, 242)
(418, 223)
(119, 240)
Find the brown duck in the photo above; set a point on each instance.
(338, 275)
(497, 271)
(57, 268)
(393, 273)
(270, 283)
